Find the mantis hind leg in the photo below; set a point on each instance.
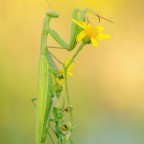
(55, 58)
(50, 137)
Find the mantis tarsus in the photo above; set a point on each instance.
(47, 91)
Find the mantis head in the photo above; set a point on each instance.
(53, 14)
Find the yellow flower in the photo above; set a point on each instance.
(69, 68)
(60, 79)
(90, 32)
(58, 82)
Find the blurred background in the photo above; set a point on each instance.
(107, 89)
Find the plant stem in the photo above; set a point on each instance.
(65, 76)
(74, 56)
(67, 93)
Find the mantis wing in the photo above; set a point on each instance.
(45, 93)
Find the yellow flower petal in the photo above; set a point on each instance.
(67, 61)
(78, 23)
(60, 82)
(69, 73)
(84, 24)
(70, 67)
(99, 29)
(91, 27)
(80, 36)
(94, 42)
(102, 36)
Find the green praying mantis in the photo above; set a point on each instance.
(49, 89)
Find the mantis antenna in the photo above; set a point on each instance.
(99, 17)
(49, 4)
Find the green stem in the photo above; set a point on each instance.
(74, 56)
(67, 93)
(65, 76)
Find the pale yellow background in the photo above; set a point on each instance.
(107, 89)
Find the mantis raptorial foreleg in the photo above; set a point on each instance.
(55, 47)
(74, 30)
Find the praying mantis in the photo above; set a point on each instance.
(49, 90)
(47, 68)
